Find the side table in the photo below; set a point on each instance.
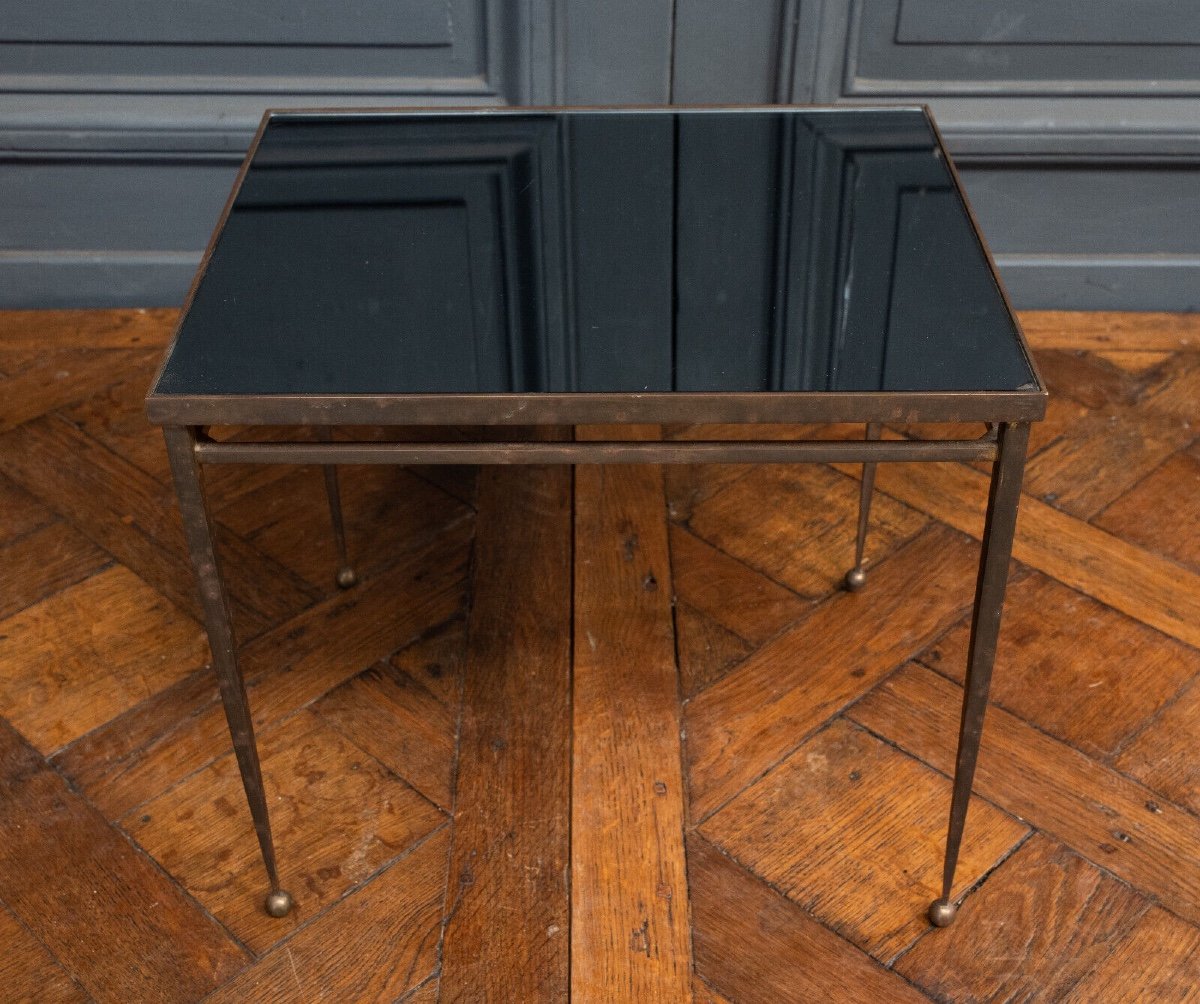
(560, 267)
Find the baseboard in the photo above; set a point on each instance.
(1102, 282)
(51, 279)
(45, 279)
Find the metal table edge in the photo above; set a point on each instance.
(597, 408)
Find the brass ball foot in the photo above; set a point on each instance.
(346, 577)
(279, 903)
(856, 578)
(942, 913)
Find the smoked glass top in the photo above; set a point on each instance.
(659, 250)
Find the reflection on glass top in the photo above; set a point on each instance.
(760, 250)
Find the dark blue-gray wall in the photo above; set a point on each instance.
(1076, 125)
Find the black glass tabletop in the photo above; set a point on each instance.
(668, 250)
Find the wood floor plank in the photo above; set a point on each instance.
(1164, 756)
(337, 816)
(1158, 961)
(752, 944)
(1101, 434)
(30, 973)
(702, 993)
(457, 480)
(1176, 390)
(436, 662)
(688, 485)
(1063, 415)
(387, 512)
(1101, 458)
(1143, 585)
(1133, 361)
(377, 944)
(387, 713)
(43, 562)
(130, 328)
(507, 931)
(1162, 513)
(796, 524)
(95, 763)
(724, 609)
(59, 378)
(706, 649)
(738, 598)
(115, 416)
(1075, 668)
(95, 901)
(64, 672)
(429, 992)
(1114, 822)
(1099, 386)
(1142, 331)
(852, 830)
(629, 912)
(761, 711)
(1046, 917)
(164, 740)
(23, 514)
(133, 517)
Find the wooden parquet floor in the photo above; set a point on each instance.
(614, 734)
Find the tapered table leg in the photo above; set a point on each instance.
(345, 576)
(998, 530)
(198, 526)
(856, 578)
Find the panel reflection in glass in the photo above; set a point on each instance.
(793, 250)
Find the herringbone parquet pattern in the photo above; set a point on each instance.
(613, 733)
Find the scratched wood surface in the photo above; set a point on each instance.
(615, 735)
(507, 933)
(629, 917)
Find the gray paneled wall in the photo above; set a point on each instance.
(1077, 126)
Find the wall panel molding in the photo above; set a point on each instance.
(120, 134)
(1023, 90)
(88, 278)
(1038, 101)
(145, 109)
(1102, 282)
(1021, 78)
